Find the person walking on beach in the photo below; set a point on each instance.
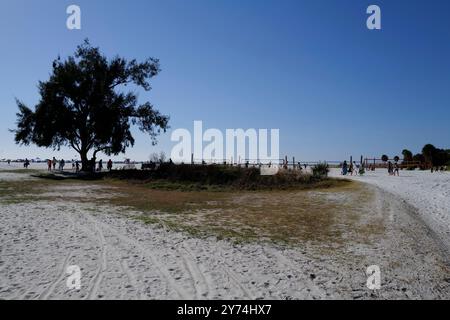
(390, 168)
(350, 169)
(355, 168)
(49, 165)
(396, 169)
(26, 164)
(54, 163)
(77, 167)
(100, 166)
(344, 168)
(109, 165)
(62, 163)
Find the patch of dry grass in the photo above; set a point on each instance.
(329, 215)
(333, 213)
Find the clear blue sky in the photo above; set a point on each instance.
(310, 68)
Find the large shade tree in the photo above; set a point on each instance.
(407, 155)
(428, 152)
(84, 105)
(435, 156)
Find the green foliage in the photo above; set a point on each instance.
(430, 155)
(428, 151)
(83, 105)
(217, 177)
(435, 156)
(321, 169)
(419, 157)
(407, 155)
(362, 170)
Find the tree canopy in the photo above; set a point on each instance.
(407, 155)
(84, 105)
(436, 156)
(430, 155)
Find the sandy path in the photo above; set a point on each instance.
(428, 192)
(122, 258)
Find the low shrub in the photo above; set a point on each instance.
(321, 169)
(222, 176)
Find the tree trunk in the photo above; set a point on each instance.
(84, 161)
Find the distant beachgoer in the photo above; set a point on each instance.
(355, 168)
(26, 164)
(300, 166)
(54, 163)
(100, 165)
(396, 169)
(390, 168)
(344, 168)
(9, 162)
(49, 165)
(109, 165)
(350, 169)
(77, 167)
(62, 163)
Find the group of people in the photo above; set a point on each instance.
(99, 166)
(393, 168)
(354, 169)
(350, 169)
(51, 165)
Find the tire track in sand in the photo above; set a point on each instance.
(103, 261)
(199, 281)
(159, 267)
(62, 270)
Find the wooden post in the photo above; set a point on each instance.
(192, 158)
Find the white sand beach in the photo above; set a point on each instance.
(428, 193)
(122, 258)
